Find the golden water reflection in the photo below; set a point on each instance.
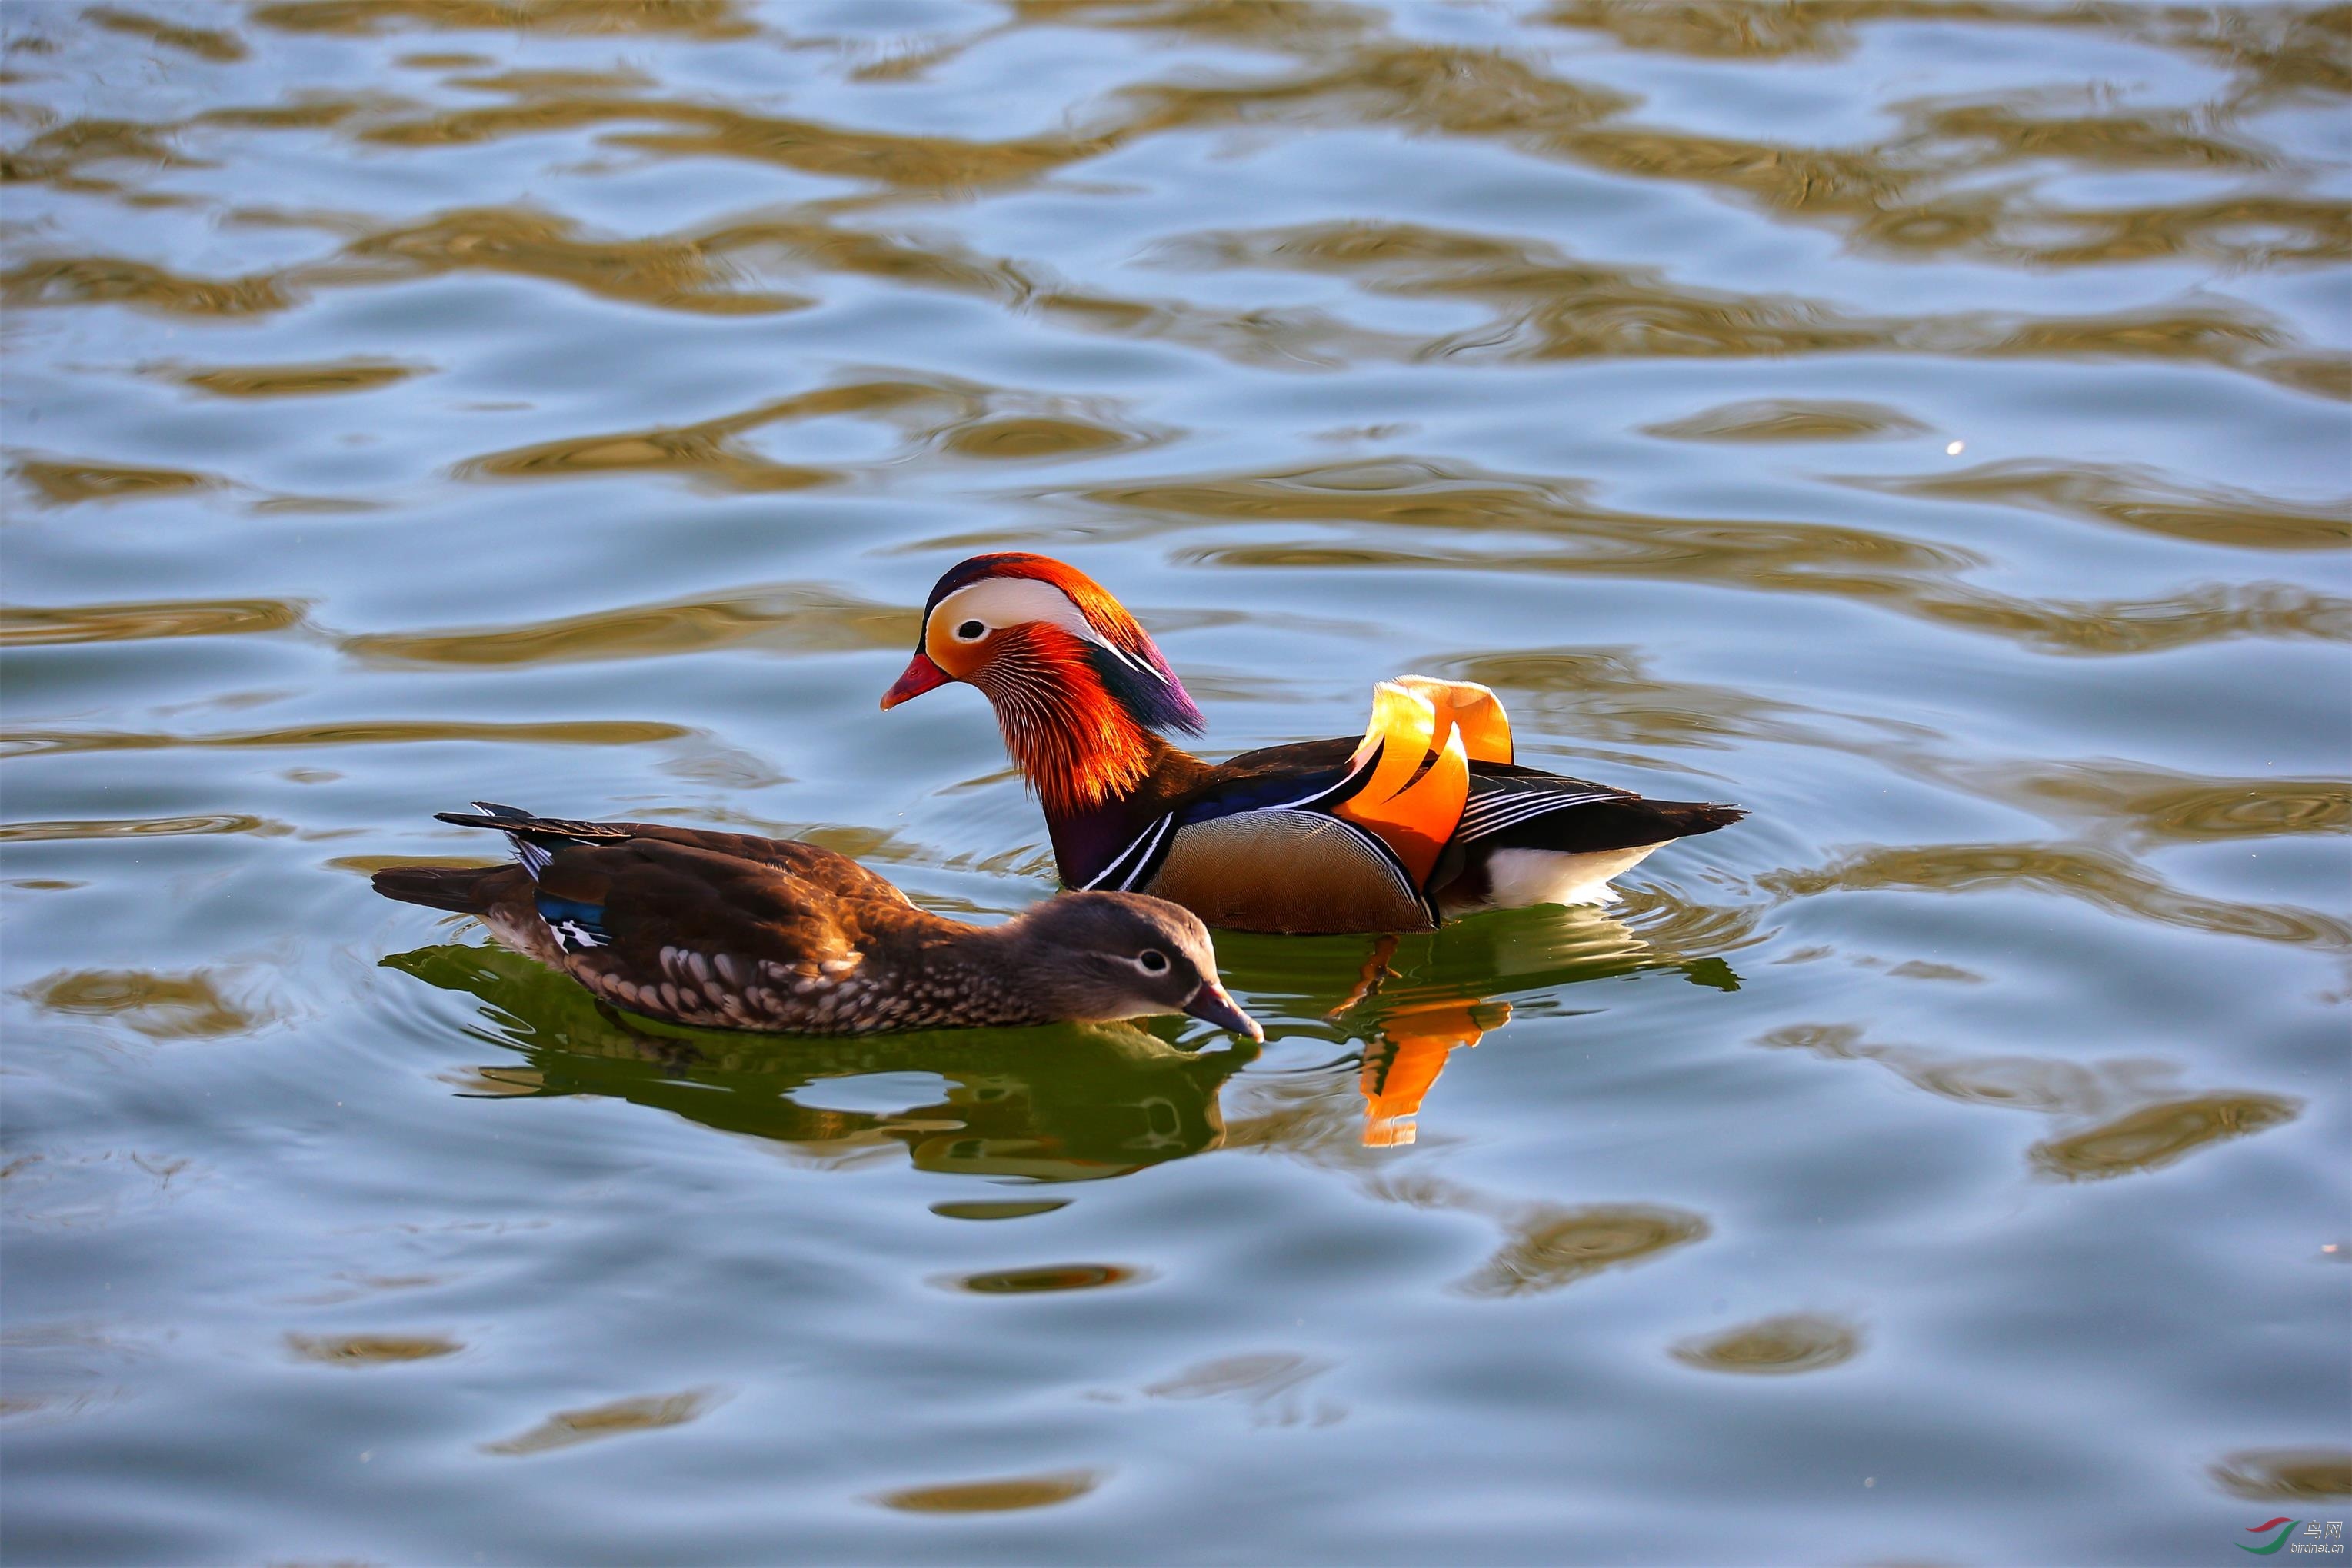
(192, 1006)
(619, 1417)
(2129, 1114)
(1046, 1278)
(1790, 419)
(2156, 1135)
(66, 482)
(1423, 515)
(2110, 881)
(2288, 1475)
(291, 380)
(52, 625)
(139, 828)
(202, 42)
(1001, 1496)
(1551, 1247)
(997, 1208)
(2140, 499)
(2150, 805)
(707, 19)
(966, 419)
(1778, 1346)
(356, 732)
(784, 618)
(370, 1350)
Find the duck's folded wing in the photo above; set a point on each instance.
(537, 837)
(1521, 810)
(647, 905)
(1500, 801)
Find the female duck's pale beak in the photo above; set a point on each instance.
(1211, 1005)
(921, 676)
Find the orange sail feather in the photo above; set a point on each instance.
(1409, 807)
(1472, 710)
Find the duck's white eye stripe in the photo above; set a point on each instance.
(1012, 602)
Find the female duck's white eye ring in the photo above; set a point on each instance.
(971, 631)
(1151, 961)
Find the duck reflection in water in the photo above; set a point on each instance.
(1061, 1103)
(1419, 997)
(1065, 1102)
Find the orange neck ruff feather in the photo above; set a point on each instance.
(1075, 743)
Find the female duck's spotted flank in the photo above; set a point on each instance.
(730, 931)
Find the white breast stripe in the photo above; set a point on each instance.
(1146, 841)
(1143, 862)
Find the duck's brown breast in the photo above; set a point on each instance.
(1285, 871)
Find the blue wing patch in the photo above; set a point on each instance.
(578, 926)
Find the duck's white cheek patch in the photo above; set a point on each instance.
(1003, 601)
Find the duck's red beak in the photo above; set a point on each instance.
(921, 676)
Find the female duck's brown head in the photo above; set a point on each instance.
(1092, 958)
(1078, 687)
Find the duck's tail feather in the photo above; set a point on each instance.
(452, 887)
(1622, 823)
(1699, 817)
(535, 839)
(519, 823)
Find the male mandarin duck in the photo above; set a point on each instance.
(1425, 818)
(730, 931)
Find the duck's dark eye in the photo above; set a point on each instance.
(1153, 961)
(971, 631)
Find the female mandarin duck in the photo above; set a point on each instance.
(1424, 819)
(730, 930)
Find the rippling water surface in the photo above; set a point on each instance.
(1922, 421)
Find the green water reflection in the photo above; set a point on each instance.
(1067, 1104)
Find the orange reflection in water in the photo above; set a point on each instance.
(1403, 1061)
(1410, 1045)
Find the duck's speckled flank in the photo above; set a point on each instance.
(728, 931)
